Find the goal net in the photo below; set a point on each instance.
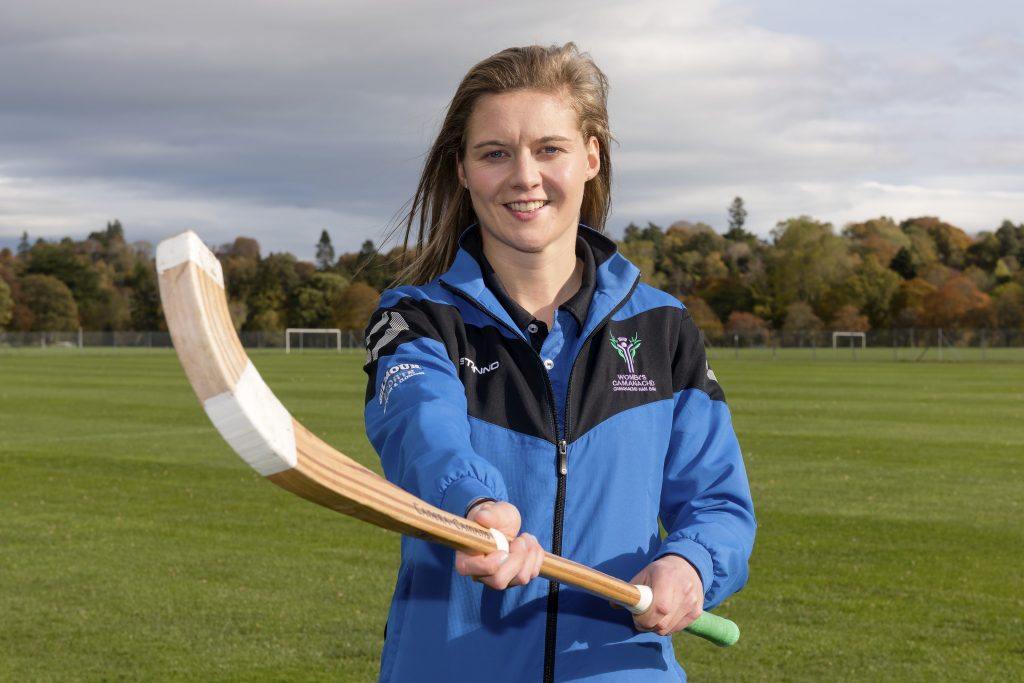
(311, 338)
(851, 336)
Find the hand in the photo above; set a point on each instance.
(678, 595)
(500, 569)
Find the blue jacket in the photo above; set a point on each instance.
(597, 430)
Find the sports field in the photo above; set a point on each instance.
(134, 545)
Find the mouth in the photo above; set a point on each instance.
(526, 208)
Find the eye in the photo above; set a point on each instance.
(551, 150)
(494, 154)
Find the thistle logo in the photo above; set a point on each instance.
(631, 380)
(626, 349)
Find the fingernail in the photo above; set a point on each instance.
(504, 557)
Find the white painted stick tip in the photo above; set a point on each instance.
(646, 598)
(188, 247)
(499, 540)
(255, 424)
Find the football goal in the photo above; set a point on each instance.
(852, 336)
(312, 338)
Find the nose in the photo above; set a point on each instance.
(526, 173)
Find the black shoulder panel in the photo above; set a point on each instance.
(504, 380)
(629, 363)
(406, 321)
(691, 369)
(506, 383)
(625, 364)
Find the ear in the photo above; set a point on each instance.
(593, 148)
(461, 172)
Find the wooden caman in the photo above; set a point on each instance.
(265, 435)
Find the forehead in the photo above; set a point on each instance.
(522, 114)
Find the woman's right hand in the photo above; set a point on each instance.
(499, 569)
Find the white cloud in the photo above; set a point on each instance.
(278, 120)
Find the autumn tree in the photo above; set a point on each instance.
(985, 252)
(849, 319)
(878, 236)
(747, 326)
(317, 300)
(725, 295)
(355, 306)
(801, 322)
(955, 304)
(808, 260)
(49, 305)
(907, 307)
(6, 304)
(704, 317)
(871, 289)
(370, 266)
(1008, 305)
(950, 242)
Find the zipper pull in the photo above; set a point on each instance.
(563, 460)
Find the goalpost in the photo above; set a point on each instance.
(852, 335)
(303, 331)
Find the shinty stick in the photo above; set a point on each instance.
(259, 428)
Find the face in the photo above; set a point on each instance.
(525, 166)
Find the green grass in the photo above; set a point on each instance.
(135, 546)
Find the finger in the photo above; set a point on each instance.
(479, 565)
(534, 558)
(658, 616)
(501, 516)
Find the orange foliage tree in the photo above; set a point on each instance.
(957, 303)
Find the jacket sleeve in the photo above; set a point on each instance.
(706, 507)
(416, 412)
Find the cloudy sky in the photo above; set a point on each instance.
(277, 119)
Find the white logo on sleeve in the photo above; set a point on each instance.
(479, 369)
(395, 376)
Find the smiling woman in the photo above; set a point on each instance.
(556, 400)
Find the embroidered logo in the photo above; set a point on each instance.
(631, 380)
(626, 348)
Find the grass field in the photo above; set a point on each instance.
(134, 545)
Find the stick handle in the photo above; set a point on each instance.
(718, 630)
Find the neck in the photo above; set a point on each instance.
(540, 283)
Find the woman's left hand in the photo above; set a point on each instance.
(678, 595)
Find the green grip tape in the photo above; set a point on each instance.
(718, 630)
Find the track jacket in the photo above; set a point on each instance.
(597, 430)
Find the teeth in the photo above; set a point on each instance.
(525, 206)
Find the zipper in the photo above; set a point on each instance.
(551, 630)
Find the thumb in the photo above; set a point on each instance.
(501, 516)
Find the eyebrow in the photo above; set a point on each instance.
(499, 143)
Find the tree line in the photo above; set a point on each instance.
(806, 277)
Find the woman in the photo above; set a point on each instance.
(528, 381)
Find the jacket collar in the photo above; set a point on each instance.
(613, 279)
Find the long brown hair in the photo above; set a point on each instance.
(441, 208)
